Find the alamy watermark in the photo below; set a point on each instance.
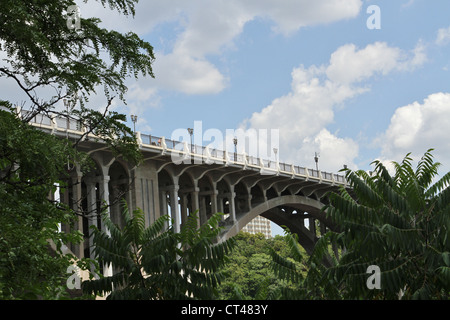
(74, 280)
(239, 144)
(374, 20)
(73, 20)
(374, 281)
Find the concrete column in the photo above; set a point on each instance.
(220, 207)
(129, 193)
(195, 203)
(232, 204)
(214, 207)
(312, 226)
(183, 205)
(202, 211)
(114, 207)
(76, 206)
(104, 197)
(175, 212)
(163, 203)
(195, 200)
(92, 211)
(219, 202)
(265, 195)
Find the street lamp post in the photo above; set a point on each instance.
(235, 149)
(191, 132)
(316, 159)
(134, 119)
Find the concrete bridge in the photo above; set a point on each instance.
(207, 180)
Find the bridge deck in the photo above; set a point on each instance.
(198, 154)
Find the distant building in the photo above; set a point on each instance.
(259, 225)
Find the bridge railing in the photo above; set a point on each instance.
(148, 141)
(60, 123)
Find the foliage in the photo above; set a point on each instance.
(250, 270)
(44, 51)
(400, 223)
(45, 55)
(291, 270)
(27, 218)
(156, 262)
(51, 63)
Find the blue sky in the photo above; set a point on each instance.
(311, 69)
(234, 64)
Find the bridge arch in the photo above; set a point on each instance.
(288, 210)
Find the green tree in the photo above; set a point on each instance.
(51, 63)
(156, 262)
(292, 268)
(251, 275)
(28, 218)
(45, 55)
(399, 223)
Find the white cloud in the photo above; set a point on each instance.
(349, 65)
(303, 114)
(186, 74)
(375, 58)
(149, 14)
(417, 127)
(418, 59)
(291, 15)
(443, 36)
(334, 152)
(209, 27)
(224, 16)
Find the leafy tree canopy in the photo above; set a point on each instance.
(53, 64)
(157, 263)
(399, 223)
(250, 269)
